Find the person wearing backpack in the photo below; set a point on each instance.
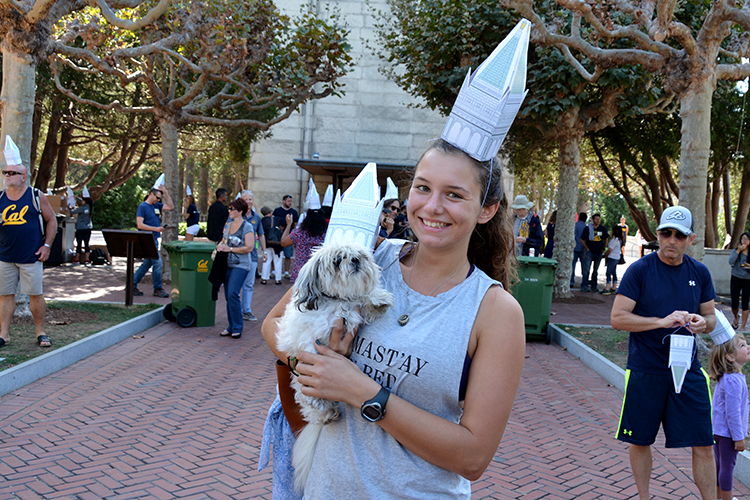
(27, 230)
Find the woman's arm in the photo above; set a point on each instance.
(733, 257)
(465, 448)
(286, 241)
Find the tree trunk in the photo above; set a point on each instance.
(169, 139)
(743, 205)
(206, 195)
(695, 111)
(66, 135)
(569, 137)
(710, 228)
(47, 161)
(727, 202)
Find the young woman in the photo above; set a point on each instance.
(740, 281)
(310, 234)
(443, 369)
(612, 255)
(238, 242)
(192, 218)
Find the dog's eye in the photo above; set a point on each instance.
(355, 261)
(337, 261)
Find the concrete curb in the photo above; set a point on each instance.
(39, 367)
(616, 377)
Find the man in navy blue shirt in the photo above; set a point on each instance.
(148, 218)
(660, 294)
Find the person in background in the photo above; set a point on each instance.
(624, 227)
(192, 218)
(148, 218)
(280, 220)
(398, 227)
(740, 280)
(527, 229)
(650, 399)
(217, 216)
(579, 253)
(549, 232)
(730, 409)
(252, 218)
(273, 248)
(594, 240)
(612, 256)
(84, 212)
(310, 234)
(238, 241)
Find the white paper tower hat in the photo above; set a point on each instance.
(723, 331)
(188, 191)
(159, 181)
(328, 197)
(490, 98)
(313, 198)
(356, 214)
(391, 191)
(86, 193)
(12, 153)
(71, 197)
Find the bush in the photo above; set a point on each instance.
(116, 208)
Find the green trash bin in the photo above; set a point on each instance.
(536, 276)
(190, 262)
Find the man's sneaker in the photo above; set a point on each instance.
(287, 276)
(136, 292)
(249, 317)
(159, 292)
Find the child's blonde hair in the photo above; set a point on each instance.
(718, 364)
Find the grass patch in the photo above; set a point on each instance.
(65, 323)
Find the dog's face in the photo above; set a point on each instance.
(345, 271)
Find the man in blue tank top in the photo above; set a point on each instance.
(23, 245)
(663, 293)
(148, 218)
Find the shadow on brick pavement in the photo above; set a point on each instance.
(180, 413)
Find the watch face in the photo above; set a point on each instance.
(372, 412)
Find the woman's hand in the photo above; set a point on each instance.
(329, 375)
(221, 247)
(289, 219)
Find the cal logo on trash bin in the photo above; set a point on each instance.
(202, 266)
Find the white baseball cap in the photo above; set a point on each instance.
(678, 218)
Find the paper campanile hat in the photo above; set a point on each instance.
(188, 191)
(11, 152)
(490, 98)
(356, 214)
(86, 193)
(723, 331)
(391, 191)
(328, 197)
(313, 198)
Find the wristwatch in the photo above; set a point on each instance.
(374, 409)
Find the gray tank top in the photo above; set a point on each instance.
(420, 362)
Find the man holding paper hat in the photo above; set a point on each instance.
(148, 218)
(27, 230)
(664, 299)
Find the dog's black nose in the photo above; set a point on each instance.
(356, 264)
(337, 261)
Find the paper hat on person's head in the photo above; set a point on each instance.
(71, 197)
(86, 193)
(490, 98)
(723, 332)
(11, 152)
(159, 182)
(313, 198)
(188, 191)
(356, 214)
(328, 197)
(391, 191)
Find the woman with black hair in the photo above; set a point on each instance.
(308, 235)
(83, 229)
(740, 281)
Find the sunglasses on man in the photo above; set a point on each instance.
(11, 173)
(667, 233)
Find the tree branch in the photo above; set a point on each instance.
(126, 24)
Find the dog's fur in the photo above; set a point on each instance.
(341, 280)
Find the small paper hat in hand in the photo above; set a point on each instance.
(328, 197)
(86, 193)
(11, 152)
(490, 98)
(680, 358)
(356, 213)
(391, 191)
(313, 198)
(723, 332)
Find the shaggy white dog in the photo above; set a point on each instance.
(341, 280)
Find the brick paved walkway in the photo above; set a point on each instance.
(179, 414)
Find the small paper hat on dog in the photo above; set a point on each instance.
(356, 214)
(328, 197)
(490, 98)
(723, 331)
(11, 152)
(313, 198)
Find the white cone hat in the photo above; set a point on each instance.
(11, 152)
(328, 197)
(391, 191)
(188, 191)
(86, 193)
(313, 198)
(159, 181)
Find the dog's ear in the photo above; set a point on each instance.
(379, 302)
(308, 291)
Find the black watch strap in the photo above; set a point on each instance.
(373, 410)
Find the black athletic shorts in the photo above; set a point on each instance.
(651, 400)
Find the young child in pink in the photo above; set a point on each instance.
(730, 409)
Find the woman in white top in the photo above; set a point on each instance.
(613, 254)
(437, 432)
